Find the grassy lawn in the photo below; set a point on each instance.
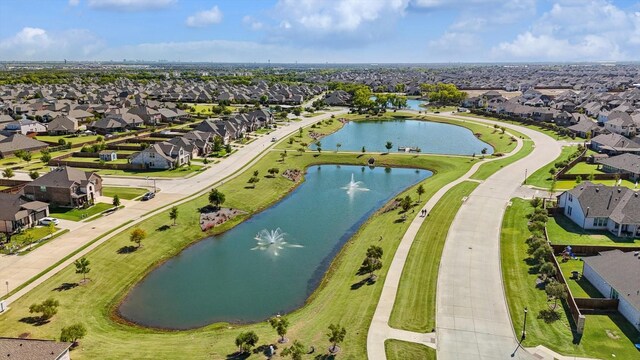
(27, 236)
(580, 288)
(551, 133)
(542, 177)
(68, 138)
(490, 168)
(415, 306)
(562, 230)
(403, 350)
(585, 169)
(295, 141)
(604, 334)
(127, 193)
(333, 302)
(179, 172)
(500, 142)
(90, 161)
(79, 214)
(570, 184)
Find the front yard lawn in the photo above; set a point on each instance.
(179, 172)
(79, 214)
(562, 230)
(127, 193)
(28, 236)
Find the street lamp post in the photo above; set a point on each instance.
(524, 326)
(525, 176)
(7, 283)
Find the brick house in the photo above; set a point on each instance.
(65, 187)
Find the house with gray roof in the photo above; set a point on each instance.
(616, 275)
(19, 212)
(599, 207)
(622, 164)
(614, 144)
(10, 144)
(63, 125)
(164, 155)
(65, 187)
(33, 349)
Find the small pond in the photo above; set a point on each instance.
(429, 137)
(253, 272)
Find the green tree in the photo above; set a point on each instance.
(19, 154)
(374, 252)
(420, 191)
(137, 235)
(33, 174)
(295, 351)
(45, 156)
(8, 173)
(51, 228)
(116, 200)
(246, 340)
(253, 181)
(484, 151)
(300, 132)
(27, 157)
(273, 171)
(578, 179)
(557, 291)
(228, 149)
(82, 267)
(216, 198)
(406, 203)
(591, 177)
(217, 143)
(338, 145)
(173, 214)
(73, 333)
(388, 145)
(536, 202)
(364, 150)
(280, 324)
(369, 266)
(256, 173)
(336, 335)
(547, 270)
(47, 308)
(543, 253)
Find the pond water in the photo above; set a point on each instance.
(412, 104)
(429, 137)
(252, 271)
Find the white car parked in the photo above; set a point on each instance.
(49, 220)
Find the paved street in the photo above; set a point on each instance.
(18, 269)
(472, 320)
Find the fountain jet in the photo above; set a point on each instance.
(272, 241)
(354, 186)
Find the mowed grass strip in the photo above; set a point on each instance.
(123, 192)
(500, 142)
(113, 274)
(415, 305)
(542, 178)
(403, 350)
(605, 336)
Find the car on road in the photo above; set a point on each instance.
(49, 220)
(274, 139)
(148, 196)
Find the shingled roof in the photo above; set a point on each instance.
(29, 349)
(621, 270)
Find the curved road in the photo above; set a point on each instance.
(472, 318)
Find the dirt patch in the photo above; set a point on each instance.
(612, 334)
(292, 174)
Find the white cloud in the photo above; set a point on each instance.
(74, 2)
(252, 23)
(205, 18)
(586, 30)
(130, 5)
(37, 44)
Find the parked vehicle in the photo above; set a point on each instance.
(49, 220)
(274, 139)
(148, 196)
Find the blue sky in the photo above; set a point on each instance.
(319, 31)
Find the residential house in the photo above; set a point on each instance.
(621, 123)
(16, 142)
(164, 156)
(614, 144)
(34, 349)
(622, 164)
(616, 275)
(63, 125)
(18, 212)
(24, 127)
(65, 187)
(600, 207)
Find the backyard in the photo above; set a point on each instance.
(562, 230)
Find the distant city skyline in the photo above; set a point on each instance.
(320, 31)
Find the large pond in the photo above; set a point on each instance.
(412, 104)
(429, 137)
(237, 278)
